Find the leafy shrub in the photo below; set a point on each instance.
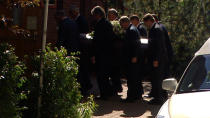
(61, 97)
(11, 83)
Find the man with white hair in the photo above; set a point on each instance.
(102, 40)
(112, 14)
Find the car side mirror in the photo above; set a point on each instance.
(169, 84)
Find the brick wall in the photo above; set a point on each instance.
(67, 3)
(51, 29)
(23, 46)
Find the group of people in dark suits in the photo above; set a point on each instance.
(137, 60)
(115, 57)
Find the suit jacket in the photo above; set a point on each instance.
(102, 40)
(157, 47)
(142, 30)
(82, 24)
(132, 42)
(68, 35)
(84, 43)
(167, 42)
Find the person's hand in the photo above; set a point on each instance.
(155, 64)
(134, 60)
(93, 59)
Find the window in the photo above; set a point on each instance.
(16, 16)
(52, 3)
(197, 76)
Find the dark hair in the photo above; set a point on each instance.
(148, 17)
(155, 16)
(134, 17)
(113, 11)
(99, 11)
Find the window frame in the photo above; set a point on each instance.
(50, 5)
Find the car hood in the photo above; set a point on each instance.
(190, 105)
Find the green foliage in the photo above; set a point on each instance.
(188, 29)
(184, 51)
(23, 3)
(118, 29)
(186, 20)
(11, 83)
(61, 97)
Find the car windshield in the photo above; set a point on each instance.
(197, 76)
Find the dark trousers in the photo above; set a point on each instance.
(115, 79)
(83, 75)
(104, 84)
(134, 84)
(157, 76)
(103, 74)
(117, 64)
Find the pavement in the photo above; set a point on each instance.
(114, 108)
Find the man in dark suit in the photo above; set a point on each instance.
(84, 62)
(79, 19)
(136, 22)
(132, 48)
(103, 36)
(143, 34)
(117, 53)
(142, 30)
(68, 34)
(168, 46)
(157, 57)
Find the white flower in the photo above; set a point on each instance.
(2, 77)
(6, 52)
(35, 74)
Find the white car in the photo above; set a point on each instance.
(191, 97)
